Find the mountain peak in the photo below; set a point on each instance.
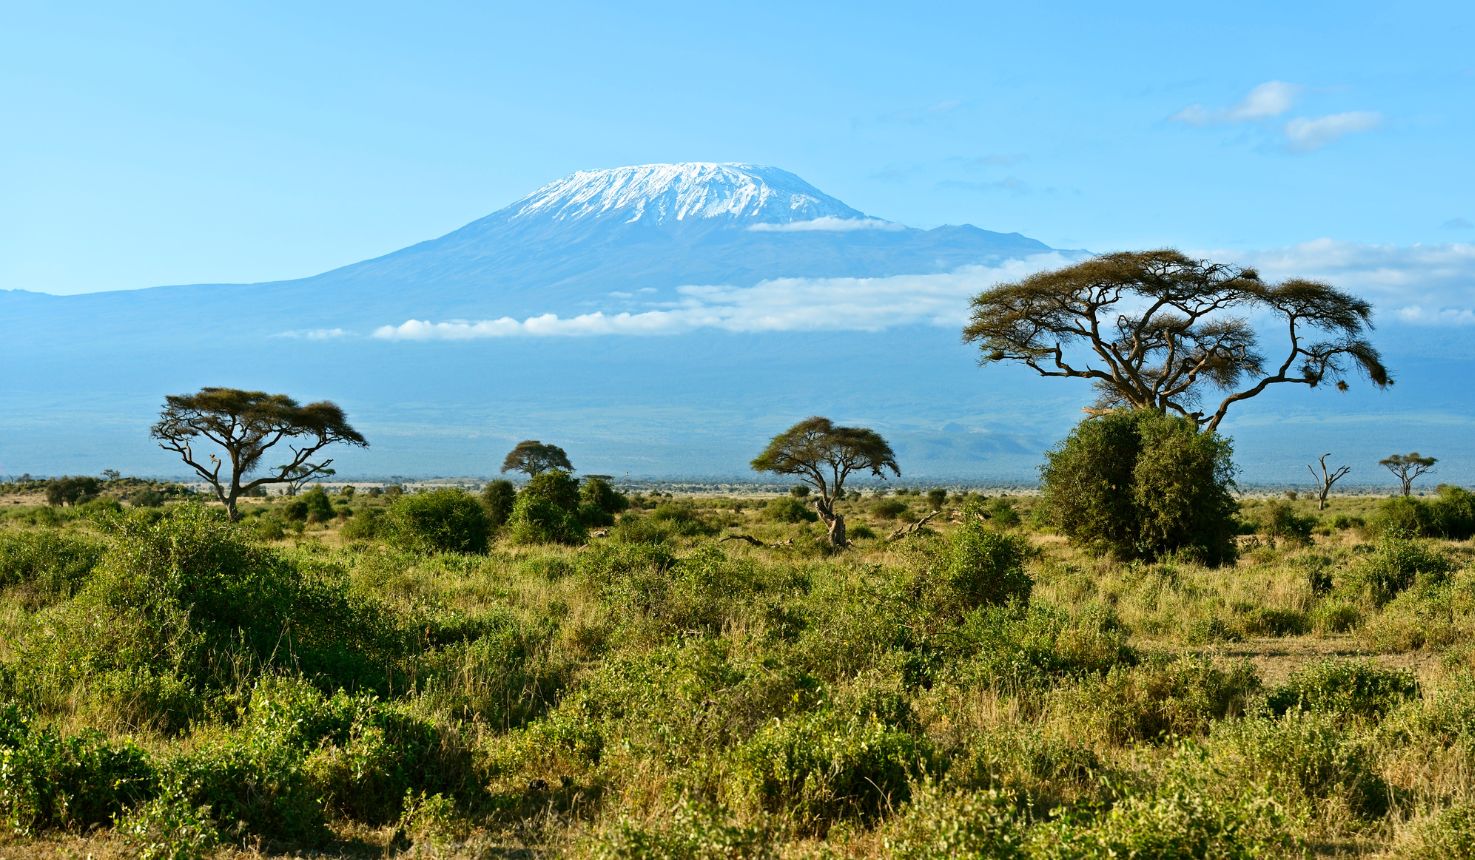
(685, 192)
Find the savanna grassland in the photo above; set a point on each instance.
(325, 677)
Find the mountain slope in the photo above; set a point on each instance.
(843, 314)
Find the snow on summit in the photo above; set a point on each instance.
(692, 191)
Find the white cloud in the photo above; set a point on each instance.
(1421, 284)
(1308, 133)
(828, 224)
(781, 304)
(313, 334)
(1270, 99)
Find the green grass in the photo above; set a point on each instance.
(174, 687)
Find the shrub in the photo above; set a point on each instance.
(936, 497)
(367, 524)
(1160, 698)
(52, 563)
(1001, 512)
(443, 520)
(498, 497)
(890, 509)
(693, 832)
(168, 827)
(1280, 522)
(187, 606)
(788, 509)
(1450, 514)
(1307, 760)
(1397, 563)
(1143, 484)
(1454, 512)
(1404, 516)
(537, 520)
(1011, 648)
(983, 567)
(317, 507)
(799, 491)
(72, 490)
(682, 518)
(596, 493)
(940, 822)
(1349, 688)
(554, 486)
(1445, 836)
(822, 767)
(1185, 819)
(48, 781)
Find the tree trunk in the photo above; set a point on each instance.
(230, 508)
(834, 522)
(837, 532)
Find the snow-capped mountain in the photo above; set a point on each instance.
(693, 191)
(654, 320)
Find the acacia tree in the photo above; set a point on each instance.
(245, 424)
(823, 456)
(532, 457)
(1407, 467)
(1160, 330)
(1326, 479)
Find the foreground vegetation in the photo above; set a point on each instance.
(457, 675)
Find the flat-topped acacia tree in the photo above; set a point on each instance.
(1160, 330)
(823, 456)
(532, 458)
(245, 425)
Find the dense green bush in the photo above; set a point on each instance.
(1347, 688)
(599, 502)
(48, 781)
(1308, 760)
(499, 496)
(1450, 514)
(312, 506)
(939, 822)
(1280, 522)
(1001, 512)
(1396, 563)
(788, 509)
(1007, 648)
(72, 490)
(890, 509)
(443, 520)
(692, 832)
(1141, 485)
(187, 607)
(547, 511)
(978, 566)
(823, 767)
(1160, 698)
(51, 563)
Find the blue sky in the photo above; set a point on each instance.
(163, 143)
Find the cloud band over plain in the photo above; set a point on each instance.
(781, 304)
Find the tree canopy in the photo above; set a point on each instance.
(532, 457)
(1407, 467)
(246, 424)
(1160, 330)
(823, 456)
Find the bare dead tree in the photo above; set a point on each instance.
(1326, 479)
(911, 528)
